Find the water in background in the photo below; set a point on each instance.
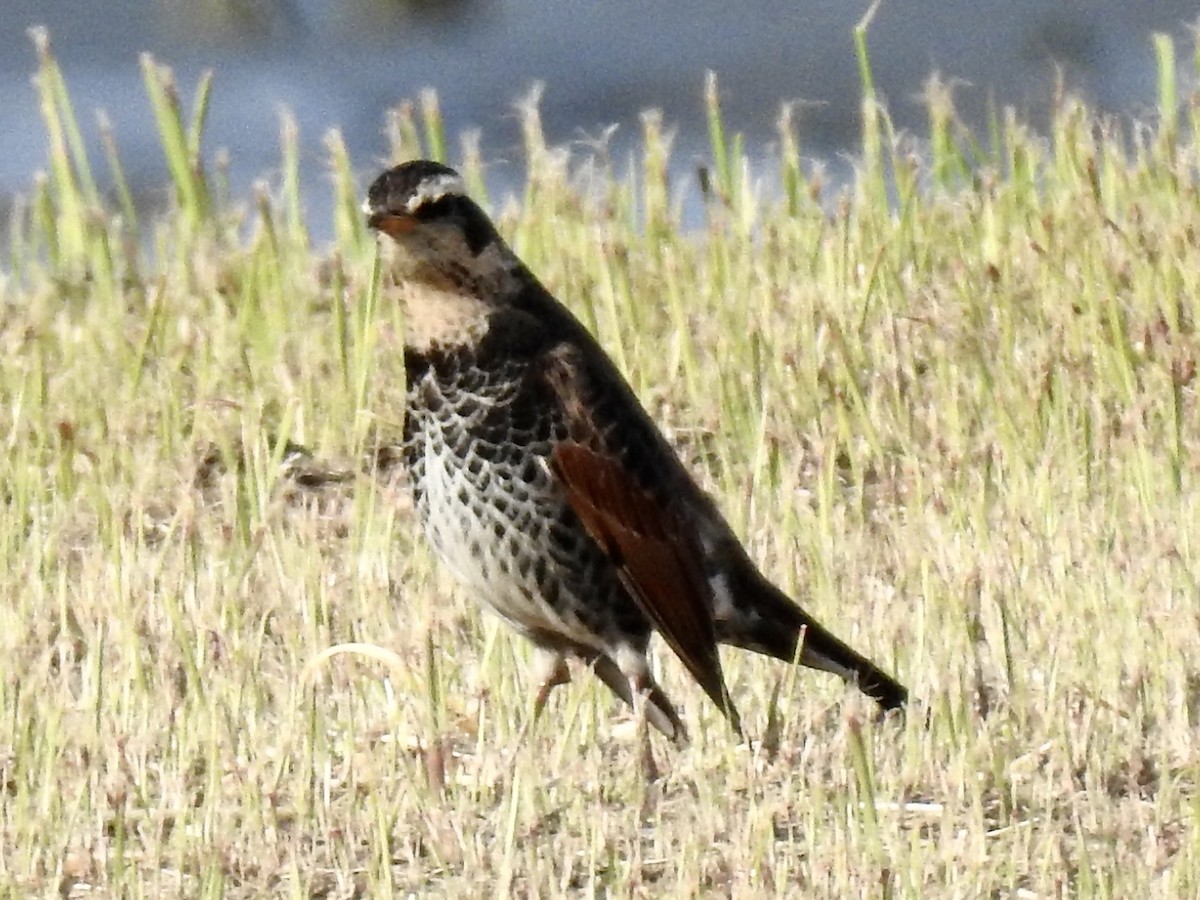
(344, 63)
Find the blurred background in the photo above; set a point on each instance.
(344, 63)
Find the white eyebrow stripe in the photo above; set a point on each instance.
(432, 189)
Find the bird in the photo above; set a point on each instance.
(547, 490)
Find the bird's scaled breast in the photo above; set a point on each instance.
(484, 495)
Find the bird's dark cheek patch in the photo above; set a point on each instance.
(477, 233)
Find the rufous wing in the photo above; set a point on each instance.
(656, 562)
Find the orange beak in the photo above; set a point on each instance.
(392, 224)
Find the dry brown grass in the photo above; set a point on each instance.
(962, 427)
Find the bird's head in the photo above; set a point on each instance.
(423, 206)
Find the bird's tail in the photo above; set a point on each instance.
(777, 628)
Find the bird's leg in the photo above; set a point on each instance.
(642, 685)
(554, 673)
(659, 711)
(551, 670)
(632, 663)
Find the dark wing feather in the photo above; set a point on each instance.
(655, 555)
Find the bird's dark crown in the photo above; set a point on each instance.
(423, 192)
(410, 187)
